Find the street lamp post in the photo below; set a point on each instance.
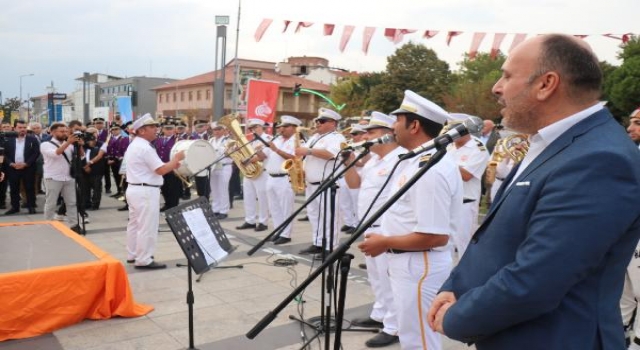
(22, 76)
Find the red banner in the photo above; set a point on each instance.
(262, 99)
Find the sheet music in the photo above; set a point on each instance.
(206, 239)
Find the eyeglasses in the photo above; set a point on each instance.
(321, 121)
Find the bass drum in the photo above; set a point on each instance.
(198, 154)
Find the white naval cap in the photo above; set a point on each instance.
(289, 120)
(328, 114)
(144, 121)
(254, 121)
(356, 128)
(416, 104)
(215, 125)
(380, 120)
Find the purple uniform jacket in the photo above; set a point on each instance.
(117, 147)
(163, 147)
(102, 135)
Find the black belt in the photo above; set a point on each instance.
(400, 251)
(467, 200)
(278, 175)
(145, 184)
(315, 183)
(500, 178)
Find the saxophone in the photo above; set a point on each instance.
(249, 170)
(514, 146)
(295, 168)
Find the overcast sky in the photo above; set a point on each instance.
(59, 40)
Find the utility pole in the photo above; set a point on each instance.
(236, 68)
(218, 83)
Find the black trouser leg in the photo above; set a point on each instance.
(107, 178)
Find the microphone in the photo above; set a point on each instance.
(388, 138)
(257, 137)
(471, 125)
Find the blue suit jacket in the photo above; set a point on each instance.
(545, 269)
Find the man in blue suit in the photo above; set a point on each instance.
(545, 269)
(20, 158)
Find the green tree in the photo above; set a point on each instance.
(355, 92)
(10, 105)
(622, 85)
(412, 67)
(471, 90)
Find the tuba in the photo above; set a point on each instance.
(295, 168)
(238, 140)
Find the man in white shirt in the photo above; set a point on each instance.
(144, 177)
(369, 181)
(57, 154)
(415, 230)
(256, 211)
(472, 158)
(349, 196)
(279, 191)
(220, 174)
(321, 157)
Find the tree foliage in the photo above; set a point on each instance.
(622, 84)
(412, 67)
(471, 90)
(355, 92)
(9, 105)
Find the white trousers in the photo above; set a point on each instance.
(319, 224)
(255, 195)
(280, 197)
(384, 309)
(348, 204)
(631, 293)
(144, 218)
(67, 189)
(219, 181)
(466, 226)
(415, 280)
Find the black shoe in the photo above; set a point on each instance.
(41, 192)
(32, 210)
(382, 339)
(344, 228)
(261, 227)
(362, 266)
(12, 211)
(77, 229)
(221, 216)
(163, 208)
(282, 240)
(186, 198)
(304, 218)
(131, 261)
(350, 231)
(107, 191)
(153, 266)
(367, 322)
(313, 249)
(245, 226)
(125, 208)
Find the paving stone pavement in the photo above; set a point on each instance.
(228, 302)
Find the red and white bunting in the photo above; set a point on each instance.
(264, 25)
(303, 25)
(517, 39)
(286, 25)
(346, 35)
(366, 38)
(396, 35)
(495, 46)
(328, 29)
(450, 36)
(430, 33)
(475, 44)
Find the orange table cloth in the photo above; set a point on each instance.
(39, 301)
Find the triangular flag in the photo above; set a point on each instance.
(495, 46)
(396, 35)
(328, 29)
(264, 25)
(475, 44)
(430, 33)
(450, 35)
(346, 35)
(517, 39)
(366, 38)
(286, 25)
(303, 25)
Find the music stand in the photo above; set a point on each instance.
(203, 242)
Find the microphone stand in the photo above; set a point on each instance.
(326, 183)
(341, 250)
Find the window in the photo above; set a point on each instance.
(198, 95)
(174, 97)
(159, 98)
(208, 95)
(182, 96)
(190, 95)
